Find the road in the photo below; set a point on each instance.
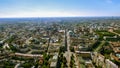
(100, 46)
(68, 53)
(76, 61)
(114, 32)
(68, 49)
(29, 55)
(17, 65)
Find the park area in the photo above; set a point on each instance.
(104, 33)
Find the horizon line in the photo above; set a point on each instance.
(59, 16)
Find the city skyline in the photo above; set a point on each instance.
(59, 8)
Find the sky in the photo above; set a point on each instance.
(59, 8)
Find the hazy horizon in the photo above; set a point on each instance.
(59, 8)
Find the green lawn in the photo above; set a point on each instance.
(117, 31)
(99, 46)
(103, 33)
